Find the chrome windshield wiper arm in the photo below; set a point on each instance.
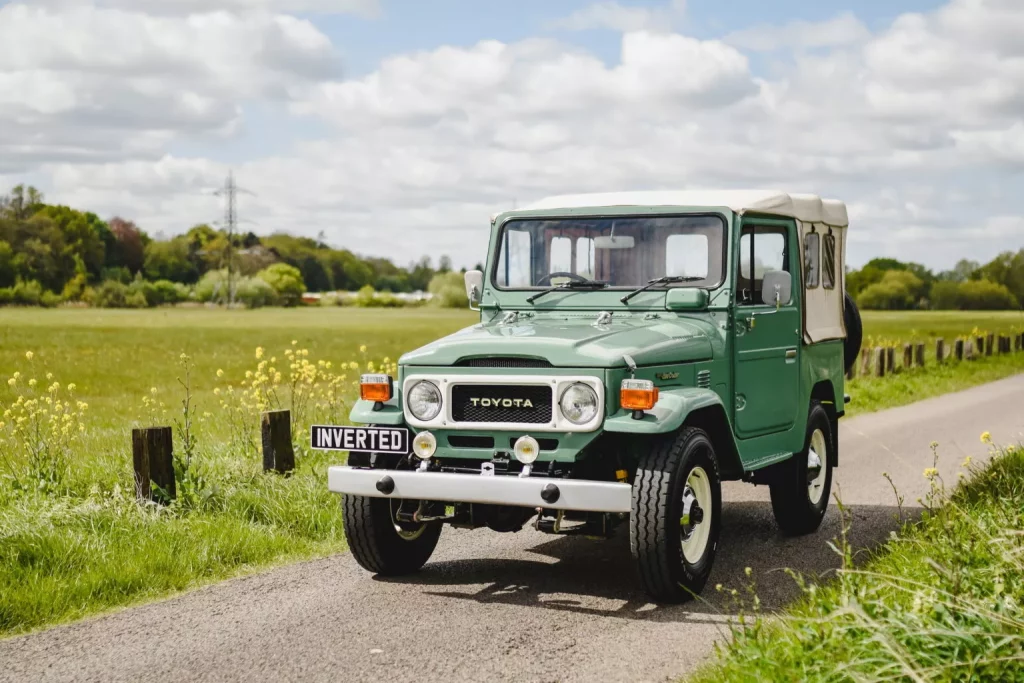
(666, 280)
(571, 284)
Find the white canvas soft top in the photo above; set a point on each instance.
(808, 208)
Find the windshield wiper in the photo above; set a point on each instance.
(667, 280)
(571, 284)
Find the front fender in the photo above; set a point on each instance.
(668, 414)
(390, 413)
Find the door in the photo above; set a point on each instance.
(767, 339)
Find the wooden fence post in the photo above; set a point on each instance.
(1004, 342)
(958, 349)
(1018, 340)
(278, 454)
(969, 351)
(908, 356)
(153, 461)
(940, 350)
(989, 340)
(979, 345)
(890, 359)
(919, 355)
(880, 362)
(865, 362)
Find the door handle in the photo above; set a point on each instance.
(790, 354)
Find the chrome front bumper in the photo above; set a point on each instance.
(572, 494)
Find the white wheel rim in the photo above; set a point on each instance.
(816, 485)
(694, 537)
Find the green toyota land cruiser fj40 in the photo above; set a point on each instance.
(634, 350)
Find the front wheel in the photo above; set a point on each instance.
(380, 543)
(676, 512)
(800, 494)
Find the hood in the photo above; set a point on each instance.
(574, 342)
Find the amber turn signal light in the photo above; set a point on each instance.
(638, 394)
(378, 388)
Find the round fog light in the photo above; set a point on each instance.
(526, 449)
(424, 445)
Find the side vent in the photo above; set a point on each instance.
(704, 379)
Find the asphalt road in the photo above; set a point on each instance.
(512, 607)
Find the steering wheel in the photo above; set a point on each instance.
(561, 273)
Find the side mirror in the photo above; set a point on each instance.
(777, 288)
(474, 287)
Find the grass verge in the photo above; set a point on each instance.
(942, 602)
(870, 394)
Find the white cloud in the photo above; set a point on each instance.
(844, 29)
(185, 7)
(85, 83)
(611, 15)
(918, 126)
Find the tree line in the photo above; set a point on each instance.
(889, 284)
(51, 253)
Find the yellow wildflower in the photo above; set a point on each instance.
(28, 355)
(220, 373)
(11, 382)
(931, 473)
(362, 348)
(72, 386)
(259, 352)
(152, 390)
(32, 382)
(216, 392)
(294, 342)
(986, 437)
(967, 461)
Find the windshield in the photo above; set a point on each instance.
(624, 252)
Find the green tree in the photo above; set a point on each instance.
(286, 281)
(170, 261)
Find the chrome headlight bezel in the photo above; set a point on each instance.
(585, 414)
(412, 401)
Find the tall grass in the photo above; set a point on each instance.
(942, 602)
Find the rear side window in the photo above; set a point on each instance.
(828, 272)
(812, 251)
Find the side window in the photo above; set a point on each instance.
(561, 255)
(762, 248)
(585, 257)
(687, 254)
(828, 273)
(812, 251)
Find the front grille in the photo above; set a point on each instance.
(504, 363)
(501, 403)
(462, 441)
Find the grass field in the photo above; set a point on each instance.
(943, 602)
(77, 543)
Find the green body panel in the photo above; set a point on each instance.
(674, 405)
(699, 349)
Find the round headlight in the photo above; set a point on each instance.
(526, 449)
(579, 403)
(424, 445)
(424, 401)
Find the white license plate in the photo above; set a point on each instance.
(359, 439)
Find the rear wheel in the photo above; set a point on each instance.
(800, 493)
(380, 543)
(676, 512)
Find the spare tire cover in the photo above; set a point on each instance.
(854, 332)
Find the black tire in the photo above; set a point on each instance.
(796, 510)
(376, 543)
(656, 533)
(854, 332)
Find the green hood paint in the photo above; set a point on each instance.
(575, 341)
